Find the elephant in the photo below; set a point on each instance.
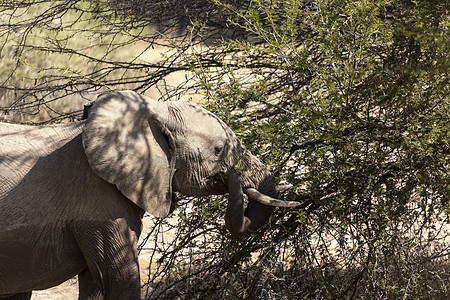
(72, 196)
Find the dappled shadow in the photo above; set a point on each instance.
(57, 178)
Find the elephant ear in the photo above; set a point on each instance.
(127, 144)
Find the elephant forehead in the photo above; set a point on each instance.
(200, 122)
(206, 133)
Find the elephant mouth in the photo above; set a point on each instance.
(217, 184)
(213, 185)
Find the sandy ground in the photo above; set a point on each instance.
(67, 290)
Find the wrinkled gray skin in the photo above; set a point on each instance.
(72, 196)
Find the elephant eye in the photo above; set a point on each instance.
(218, 149)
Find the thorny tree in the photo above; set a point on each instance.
(347, 100)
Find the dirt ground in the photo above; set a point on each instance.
(67, 290)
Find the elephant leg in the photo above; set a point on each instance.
(112, 261)
(88, 289)
(22, 296)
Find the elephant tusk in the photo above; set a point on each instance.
(267, 200)
(282, 188)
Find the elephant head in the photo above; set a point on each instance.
(150, 149)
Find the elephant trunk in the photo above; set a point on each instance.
(238, 221)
